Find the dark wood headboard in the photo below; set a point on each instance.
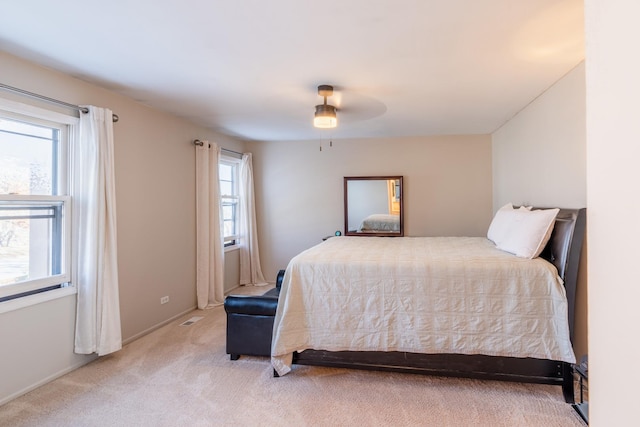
(563, 251)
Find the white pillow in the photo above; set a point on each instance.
(502, 223)
(528, 232)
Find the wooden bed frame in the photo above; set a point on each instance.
(563, 250)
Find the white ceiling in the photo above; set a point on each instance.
(251, 68)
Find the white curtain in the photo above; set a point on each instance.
(95, 271)
(250, 271)
(209, 234)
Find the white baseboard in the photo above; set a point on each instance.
(158, 326)
(48, 379)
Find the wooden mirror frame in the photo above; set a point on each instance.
(399, 191)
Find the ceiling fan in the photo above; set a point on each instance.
(359, 107)
(325, 115)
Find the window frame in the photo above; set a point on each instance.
(29, 292)
(232, 242)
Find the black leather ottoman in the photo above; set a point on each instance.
(250, 322)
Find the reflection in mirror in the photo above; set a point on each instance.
(373, 206)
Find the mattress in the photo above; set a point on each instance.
(422, 295)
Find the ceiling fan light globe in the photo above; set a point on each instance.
(325, 117)
(325, 122)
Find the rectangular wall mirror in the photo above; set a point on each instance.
(373, 206)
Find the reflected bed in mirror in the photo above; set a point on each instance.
(373, 206)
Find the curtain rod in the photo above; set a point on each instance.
(201, 143)
(50, 100)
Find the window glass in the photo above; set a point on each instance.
(30, 241)
(228, 217)
(226, 172)
(226, 188)
(28, 160)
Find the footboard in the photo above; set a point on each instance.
(452, 365)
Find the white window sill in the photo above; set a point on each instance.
(19, 303)
(231, 248)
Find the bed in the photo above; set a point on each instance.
(402, 304)
(377, 223)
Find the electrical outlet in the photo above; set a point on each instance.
(164, 300)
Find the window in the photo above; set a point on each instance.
(228, 176)
(34, 201)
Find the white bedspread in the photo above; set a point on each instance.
(421, 295)
(380, 223)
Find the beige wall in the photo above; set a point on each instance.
(299, 189)
(155, 190)
(613, 190)
(539, 158)
(37, 346)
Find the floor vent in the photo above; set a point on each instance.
(191, 321)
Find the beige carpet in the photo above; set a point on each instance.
(181, 376)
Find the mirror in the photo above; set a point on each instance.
(373, 206)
